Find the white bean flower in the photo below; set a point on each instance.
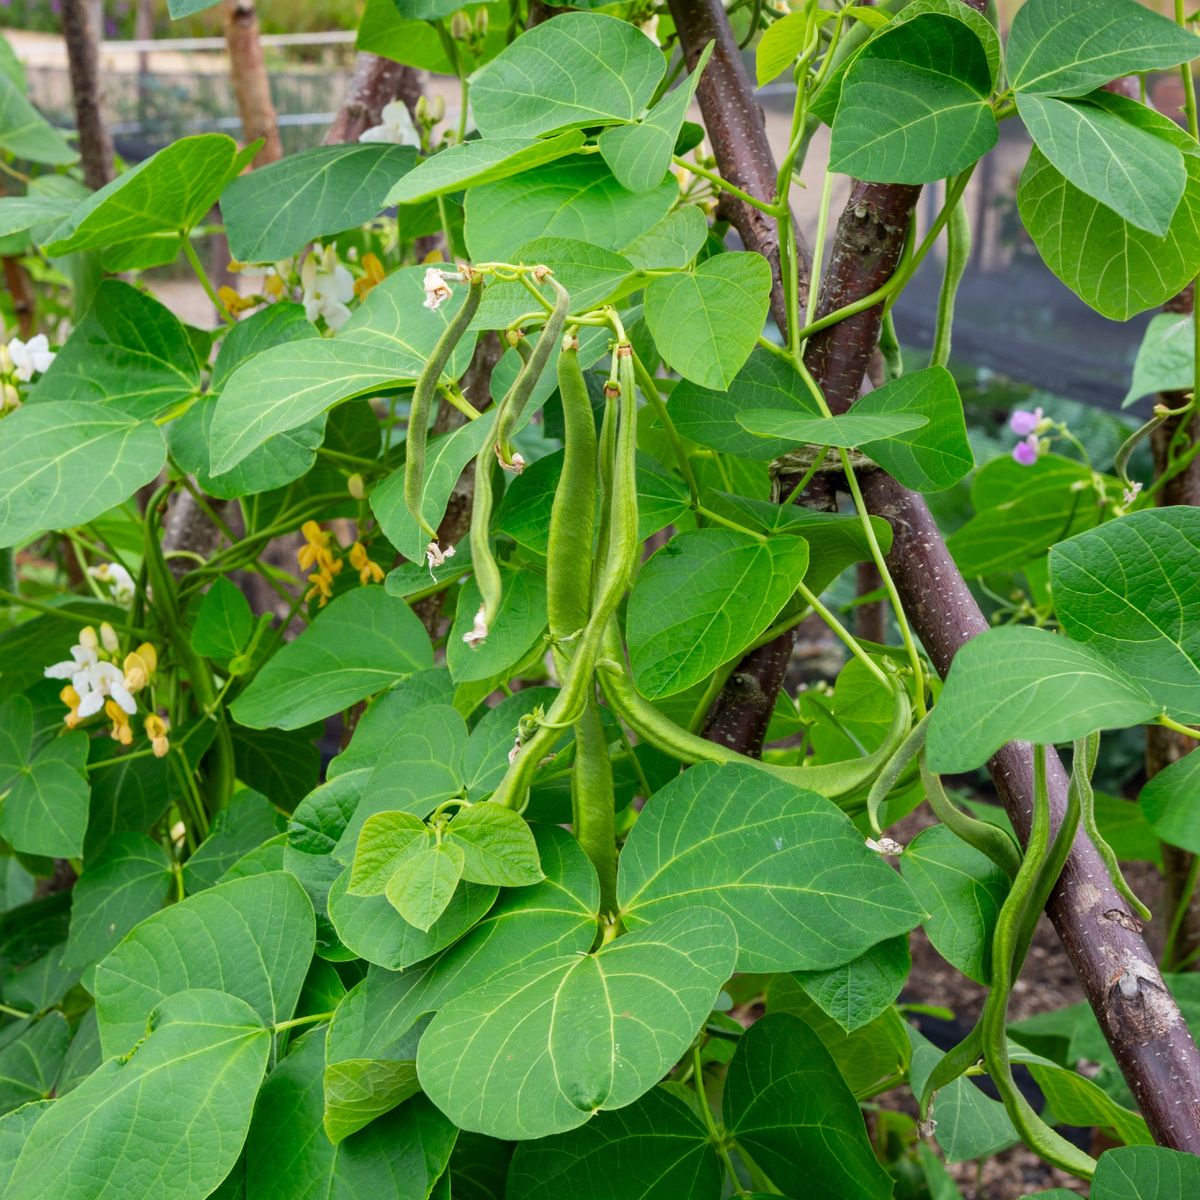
(31, 357)
(437, 290)
(119, 581)
(395, 126)
(103, 680)
(327, 287)
(85, 654)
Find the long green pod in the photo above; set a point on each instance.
(958, 252)
(620, 559)
(573, 512)
(593, 802)
(422, 403)
(961, 1057)
(841, 782)
(984, 837)
(1021, 905)
(1086, 750)
(487, 572)
(896, 765)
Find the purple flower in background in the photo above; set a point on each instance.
(1026, 452)
(1023, 422)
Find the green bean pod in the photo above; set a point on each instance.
(422, 402)
(1086, 749)
(593, 803)
(841, 782)
(1032, 882)
(886, 779)
(620, 558)
(958, 252)
(573, 513)
(985, 838)
(487, 572)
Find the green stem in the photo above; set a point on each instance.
(724, 185)
(1187, 892)
(312, 1019)
(649, 388)
(842, 633)
(193, 258)
(710, 1122)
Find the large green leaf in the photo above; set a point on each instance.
(474, 163)
(575, 70)
(242, 826)
(364, 642)
(520, 622)
(1022, 512)
(933, 456)
(787, 1104)
(383, 345)
(25, 133)
(963, 891)
(66, 463)
(1021, 683)
(1145, 1173)
(541, 1049)
(1139, 176)
(655, 1147)
(46, 808)
(1129, 590)
(1166, 359)
(855, 993)
(849, 429)
(640, 153)
(276, 210)
(705, 322)
(19, 213)
(129, 353)
(158, 200)
(31, 1055)
(672, 242)
(577, 197)
(914, 105)
(164, 1122)
(708, 415)
(127, 882)
(1110, 264)
(702, 599)
(1168, 801)
(784, 864)
(252, 937)
(867, 1057)
(1060, 48)
(288, 1156)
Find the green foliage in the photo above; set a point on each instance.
(442, 812)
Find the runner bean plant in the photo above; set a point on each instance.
(404, 791)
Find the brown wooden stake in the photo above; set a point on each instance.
(1140, 1019)
(251, 83)
(83, 59)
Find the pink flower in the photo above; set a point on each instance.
(1026, 452)
(1023, 422)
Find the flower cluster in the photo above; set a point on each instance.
(321, 556)
(19, 363)
(118, 581)
(1029, 426)
(97, 683)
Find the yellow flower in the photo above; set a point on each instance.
(121, 732)
(233, 300)
(368, 570)
(373, 274)
(139, 666)
(70, 697)
(156, 730)
(273, 286)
